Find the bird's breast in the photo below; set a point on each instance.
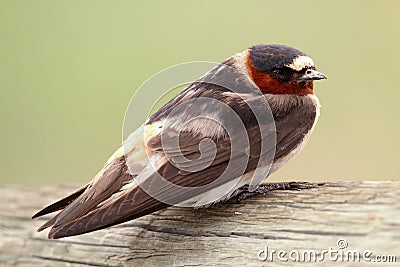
(295, 119)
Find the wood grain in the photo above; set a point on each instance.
(365, 214)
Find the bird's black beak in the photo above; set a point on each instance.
(311, 75)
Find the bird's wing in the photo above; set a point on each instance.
(114, 196)
(96, 209)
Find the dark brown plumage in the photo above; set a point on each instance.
(113, 196)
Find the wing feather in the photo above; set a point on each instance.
(62, 203)
(114, 195)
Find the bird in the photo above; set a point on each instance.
(208, 144)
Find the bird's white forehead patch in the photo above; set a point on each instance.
(300, 62)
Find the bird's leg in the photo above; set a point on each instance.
(265, 188)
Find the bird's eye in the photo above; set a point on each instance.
(278, 71)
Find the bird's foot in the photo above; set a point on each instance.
(265, 188)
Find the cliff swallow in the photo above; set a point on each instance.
(275, 77)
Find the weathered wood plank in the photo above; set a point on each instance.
(365, 214)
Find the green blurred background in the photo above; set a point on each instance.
(69, 68)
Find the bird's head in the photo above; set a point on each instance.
(281, 69)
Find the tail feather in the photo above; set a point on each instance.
(81, 202)
(48, 223)
(61, 204)
(104, 217)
